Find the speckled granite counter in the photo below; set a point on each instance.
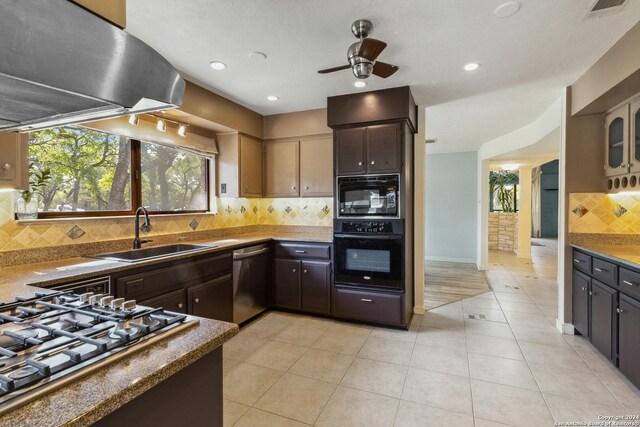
(13, 279)
(623, 254)
(90, 398)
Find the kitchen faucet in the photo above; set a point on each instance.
(137, 243)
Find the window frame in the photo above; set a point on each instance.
(136, 191)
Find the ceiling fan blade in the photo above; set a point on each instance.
(331, 70)
(371, 48)
(384, 70)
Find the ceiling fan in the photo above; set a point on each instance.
(363, 53)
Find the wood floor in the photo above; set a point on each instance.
(447, 282)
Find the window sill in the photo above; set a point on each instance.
(102, 218)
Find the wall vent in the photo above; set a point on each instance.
(606, 4)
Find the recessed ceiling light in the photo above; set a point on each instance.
(471, 66)
(217, 65)
(257, 56)
(507, 9)
(360, 83)
(272, 98)
(510, 166)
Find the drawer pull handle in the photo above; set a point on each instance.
(197, 300)
(619, 310)
(592, 293)
(601, 270)
(577, 261)
(584, 288)
(301, 252)
(626, 282)
(366, 300)
(366, 277)
(180, 305)
(304, 271)
(293, 271)
(359, 163)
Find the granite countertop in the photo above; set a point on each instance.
(26, 279)
(88, 399)
(623, 254)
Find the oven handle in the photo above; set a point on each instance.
(369, 236)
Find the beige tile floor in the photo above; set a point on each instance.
(511, 368)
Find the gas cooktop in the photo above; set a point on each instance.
(53, 339)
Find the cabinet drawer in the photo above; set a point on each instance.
(302, 250)
(582, 262)
(368, 306)
(605, 272)
(629, 282)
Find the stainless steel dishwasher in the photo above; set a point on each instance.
(250, 281)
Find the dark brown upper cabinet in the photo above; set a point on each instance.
(369, 150)
(350, 157)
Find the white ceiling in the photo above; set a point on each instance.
(545, 150)
(525, 59)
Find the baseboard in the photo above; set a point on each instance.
(451, 259)
(565, 328)
(418, 309)
(481, 267)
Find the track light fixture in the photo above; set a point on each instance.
(182, 129)
(161, 125)
(133, 119)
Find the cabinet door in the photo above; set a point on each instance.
(173, 301)
(634, 138)
(316, 173)
(213, 299)
(14, 160)
(617, 142)
(287, 283)
(281, 168)
(250, 167)
(603, 313)
(350, 151)
(315, 286)
(383, 148)
(629, 339)
(581, 285)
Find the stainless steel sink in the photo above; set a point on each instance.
(144, 254)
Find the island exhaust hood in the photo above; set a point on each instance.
(60, 64)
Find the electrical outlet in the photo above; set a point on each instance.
(223, 188)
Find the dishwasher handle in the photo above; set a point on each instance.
(237, 256)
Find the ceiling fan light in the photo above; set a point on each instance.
(362, 70)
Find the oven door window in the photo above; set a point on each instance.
(369, 262)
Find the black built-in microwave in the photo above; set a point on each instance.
(368, 196)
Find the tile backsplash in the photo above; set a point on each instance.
(600, 213)
(231, 212)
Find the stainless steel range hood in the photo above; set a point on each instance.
(60, 64)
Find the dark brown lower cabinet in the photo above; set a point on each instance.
(629, 339)
(581, 285)
(368, 306)
(173, 301)
(603, 318)
(287, 283)
(213, 299)
(303, 284)
(315, 286)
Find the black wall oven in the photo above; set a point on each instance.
(368, 196)
(369, 255)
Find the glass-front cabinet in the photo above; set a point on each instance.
(617, 137)
(634, 143)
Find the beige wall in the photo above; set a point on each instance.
(298, 124)
(614, 78)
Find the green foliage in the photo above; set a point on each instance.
(499, 181)
(38, 179)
